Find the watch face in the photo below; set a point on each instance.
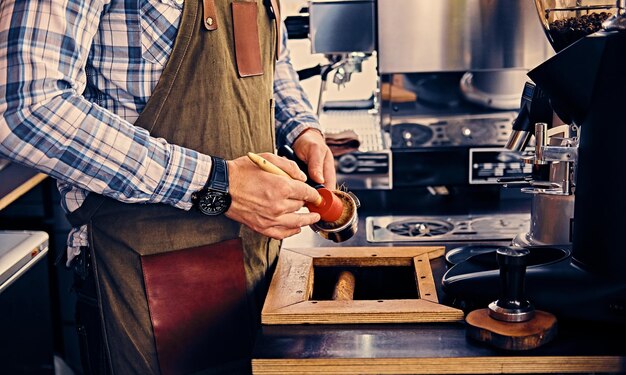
(214, 203)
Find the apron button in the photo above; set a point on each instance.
(209, 21)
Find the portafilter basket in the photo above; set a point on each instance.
(341, 231)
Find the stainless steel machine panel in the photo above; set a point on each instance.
(342, 26)
(370, 166)
(445, 228)
(459, 35)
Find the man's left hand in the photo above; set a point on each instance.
(311, 148)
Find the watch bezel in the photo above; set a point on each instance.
(208, 194)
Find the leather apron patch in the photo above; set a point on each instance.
(246, 33)
(195, 297)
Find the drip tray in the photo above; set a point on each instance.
(445, 228)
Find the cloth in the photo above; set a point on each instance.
(86, 85)
(180, 292)
(342, 142)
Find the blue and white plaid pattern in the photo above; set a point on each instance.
(74, 76)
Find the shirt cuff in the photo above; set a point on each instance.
(296, 128)
(187, 172)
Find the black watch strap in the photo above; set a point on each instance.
(218, 180)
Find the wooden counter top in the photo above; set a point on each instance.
(425, 348)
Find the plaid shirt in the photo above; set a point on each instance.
(75, 75)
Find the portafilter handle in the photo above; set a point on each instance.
(512, 306)
(534, 107)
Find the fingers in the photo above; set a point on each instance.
(268, 203)
(315, 161)
(303, 192)
(329, 171)
(311, 147)
(286, 165)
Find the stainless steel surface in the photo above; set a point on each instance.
(494, 89)
(518, 140)
(348, 229)
(445, 228)
(371, 166)
(18, 252)
(445, 131)
(618, 21)
(342, 26)
(363, 122)
(344, 65)
(541, 141)
(550, 221)
(458, 35)
(510, 315)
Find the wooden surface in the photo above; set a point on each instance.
(289, 298)
(531, 334)
(482, 365)
(344, 288)
(15, 181)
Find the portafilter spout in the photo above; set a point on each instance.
(534, 108)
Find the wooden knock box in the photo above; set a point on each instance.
(355, 285)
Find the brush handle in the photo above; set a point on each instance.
(287, 152)
(267, 166)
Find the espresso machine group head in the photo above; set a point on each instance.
(585, 85)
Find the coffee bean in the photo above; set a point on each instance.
(566, 31)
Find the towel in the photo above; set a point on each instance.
(342, 142)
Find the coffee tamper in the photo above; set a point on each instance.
(512, 306)
(511, 322)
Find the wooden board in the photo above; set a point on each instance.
(289, 298)
(531, 334)
(458, 365)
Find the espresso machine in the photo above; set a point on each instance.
(460, 65)
(573, 109)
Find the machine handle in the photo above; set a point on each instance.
(287, 152)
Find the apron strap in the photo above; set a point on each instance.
(86, 211)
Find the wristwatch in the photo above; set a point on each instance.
(214, 199)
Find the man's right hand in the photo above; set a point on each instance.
(267, 203)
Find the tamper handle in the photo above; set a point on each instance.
(512, 264)
(512, 306)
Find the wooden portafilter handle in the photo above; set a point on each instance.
(512, 306)
(330, 207)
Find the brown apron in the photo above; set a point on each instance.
(180, 292)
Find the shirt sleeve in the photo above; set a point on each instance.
(293, 113)
(47, 124)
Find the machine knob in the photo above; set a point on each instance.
(512, 306)
(347, 163)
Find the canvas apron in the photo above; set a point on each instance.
(181, 292)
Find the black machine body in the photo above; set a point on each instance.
(586, 85)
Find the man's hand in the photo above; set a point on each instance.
(311, 148)
(267, 203)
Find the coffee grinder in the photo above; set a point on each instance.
(585, 86)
